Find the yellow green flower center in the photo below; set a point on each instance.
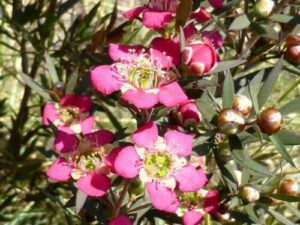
(89, 158)
(189, 199)
(144, 77)
(69, 114)
(158, 164)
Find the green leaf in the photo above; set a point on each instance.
(80, 200)
(281, 149)
(182, 39)
(284, 18)
(277, 216)
(265, 30)
(239, 23)
(202, 149)
(283, 197)
(51, 67)
(288, 138)
(35, 86)
(183, 12)
(236, 148)
(251, 210)
(294, 210)
(72, 83)
(228, 91)
(269, 83)
(291, 107)
(254, 87)
(226, 65)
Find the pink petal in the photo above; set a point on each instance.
(121, 220)
(216, 3)
(213, 37)
(190, 112)
(211, 202)
(135, 12)
(65, 140)
(126, 162)
(87, 124)
(190, 179)
(146, 135)
(83, 102)
(106, 80)
(110, 159)
(140, 99)
(101, 137)
(165, 52)
(94, 184)
(119, 52)
(179, 143)
(201, 16)
(171, 95)
(189, 32)
(156, 20)
(162, 198)
(60, 170)
(192, 218)
(49, 113)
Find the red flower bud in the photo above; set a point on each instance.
(289, 187)
(292, 40)
(270, 121)
(216, 3)
(293, 54)
(231, 121)
(188, 114)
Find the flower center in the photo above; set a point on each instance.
(69, 114)
(164, 5)
(189, 199)
(88, 159)
(158, 164)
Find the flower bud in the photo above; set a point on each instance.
(199, 58)
(292, 40)
(188, 114)
(222, 216)
(270, 121)
(231, 121)
(264, 8)
(216, 3)
(242, 104)
(289, 187)
(249, 194)
(293, 54)
(59, 89)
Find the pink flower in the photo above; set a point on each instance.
(193, 205)
(83, 161)
(200, 15)
(216, 3)
(199, 58)
(72, 111)
(156, 14)
(160, 163)
(120, 220)
(143, 75)
(213, 37)
(187, 114)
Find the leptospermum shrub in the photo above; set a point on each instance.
(198, 91)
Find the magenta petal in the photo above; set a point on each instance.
(119, 52)
(110, 159)
(101, 137)
(179, 143)
(83, 102)
(165, 52)
(126, 162)
(192, 218)
(60, 170)
(189, 32)
(171, 95)
(65, 140)
(105, 80)
(216, 3)
(156, 20)
(201, 16)
(120, 220)
(211, 202)
(94, 184)
(49, 113)
(140, 98)
(190, 179)
(214, 38)
(146, 135)
(87, 124)
(135, 12)
(162, 198)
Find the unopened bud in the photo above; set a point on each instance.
(249, 194)
(242, 104)
(293, 54)
(292, 40)
(231, 121)
(289, 187)
(270, 121)
(264, 8)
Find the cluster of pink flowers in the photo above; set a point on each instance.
(147, 77)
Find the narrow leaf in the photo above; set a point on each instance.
(226, 65)
(281, 149)
(239, 23)
(291, 107)
(228, 91)
(284, 18)
(182, 39)
(80, 200)
(269, 83)
(35, 86)
(51, 67)
(279, 217)
(72, 83)
(288, 138)
(183, 12)
(283, 197)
